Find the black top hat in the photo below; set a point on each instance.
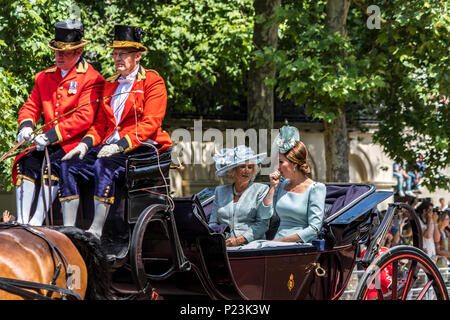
(68, 36)
(128, 37)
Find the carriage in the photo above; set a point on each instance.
(156, 243)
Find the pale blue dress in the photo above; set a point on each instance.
(247, 217)
(300, 213)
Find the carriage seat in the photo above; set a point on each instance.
(144, 185)
(340, 195)
(337, 197)
(190, 217)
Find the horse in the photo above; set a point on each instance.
(51, 263)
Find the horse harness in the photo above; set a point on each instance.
(18, 286)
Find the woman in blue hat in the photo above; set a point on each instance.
(294, 196)
(239, 204)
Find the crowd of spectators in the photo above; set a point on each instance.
(434, 222)
(411, 176)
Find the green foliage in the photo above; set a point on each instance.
(402, 68)
(201, 49)
(11, 94)
(413, 44)
(316, 67)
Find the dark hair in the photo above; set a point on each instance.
(299, 154)
(423, 206)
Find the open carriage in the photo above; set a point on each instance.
(180, 256)
(155, 242)
(172, 249)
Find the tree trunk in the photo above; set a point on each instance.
(336, 149)
(260, 114)
(336, 135)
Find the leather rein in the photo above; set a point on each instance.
(16, 286)
(18, 144)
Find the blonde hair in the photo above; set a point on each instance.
(232, 172)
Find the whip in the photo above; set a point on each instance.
(18, 144)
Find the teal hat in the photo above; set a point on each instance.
(227, 158)
(287, 138)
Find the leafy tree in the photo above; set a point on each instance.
(201, 49)
(260, 94)
(328, 58)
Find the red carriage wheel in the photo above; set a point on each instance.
(401, 273)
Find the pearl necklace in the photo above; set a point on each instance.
(237, 194)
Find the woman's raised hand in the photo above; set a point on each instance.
(274, 178)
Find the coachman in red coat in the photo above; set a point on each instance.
(70, 83)
(127, 123)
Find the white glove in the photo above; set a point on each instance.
(25, 133)
(108, 150)
(80, 149)
(41, 142)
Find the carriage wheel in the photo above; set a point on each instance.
(402, 273)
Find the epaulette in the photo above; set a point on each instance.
(51, 70)
(82, 66)
(113, 78)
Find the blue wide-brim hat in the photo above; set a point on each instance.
(227, 158)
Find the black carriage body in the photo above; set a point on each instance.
(318, 271)
(165, 244)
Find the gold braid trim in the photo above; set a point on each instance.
(130, 144)
(68, 198)
(60, 45)
(106, 200)
(126, 44)
(19, 178)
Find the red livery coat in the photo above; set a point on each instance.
(385, 277)
(53, 96)
(141, 118)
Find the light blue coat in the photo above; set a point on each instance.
(300, 213)
(247, 217)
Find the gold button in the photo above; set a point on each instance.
(140, 109)
(68, 136)
(60, 88)
(59, 96)
(56, 113)
(56, 121)
(118, 128)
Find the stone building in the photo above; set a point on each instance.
(196, 140)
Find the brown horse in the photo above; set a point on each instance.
(56, 257)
